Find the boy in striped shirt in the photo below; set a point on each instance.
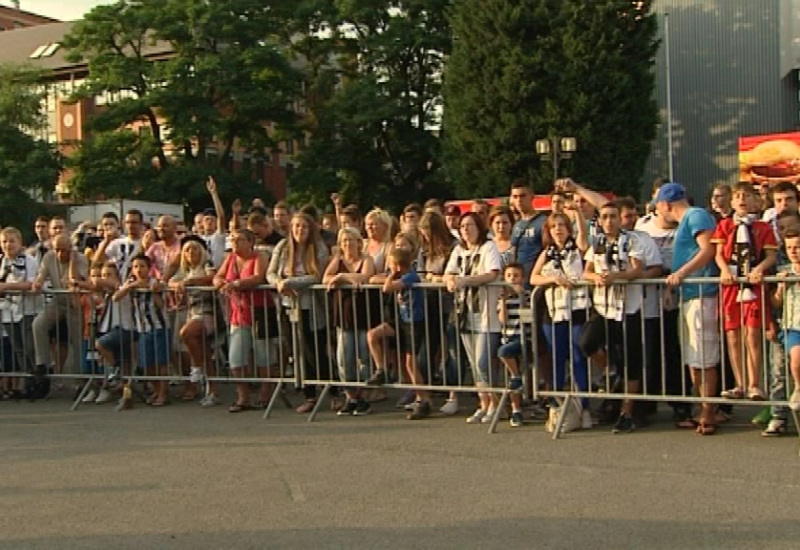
(510, 349)
(151, 324)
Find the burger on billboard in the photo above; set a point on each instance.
(770, 158)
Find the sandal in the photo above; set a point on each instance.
(307, 406)
(734, 393)
(239, 407)
(159, 402)
(189, 397)
(687, 424)
(706, 428)
(755, 394)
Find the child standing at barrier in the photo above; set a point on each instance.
(746, 247)
(411, 311)
(114, 335)
(787, 297)
(510, 351)
(92, 302)
(151, 325)
(558, 268)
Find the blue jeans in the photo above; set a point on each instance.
(559, 340)
(352, 355)
(481, 349)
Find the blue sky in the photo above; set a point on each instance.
(66, 10)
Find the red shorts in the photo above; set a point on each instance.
(737, 314)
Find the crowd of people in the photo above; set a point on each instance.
(434, 296)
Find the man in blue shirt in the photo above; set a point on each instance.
(693, 256)
(526, 235)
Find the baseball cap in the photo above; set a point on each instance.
(670, 192)
(452, 210)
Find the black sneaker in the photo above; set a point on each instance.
(348, 409)
(624, 424)
(516, 419)
(377, 379)
(362, 408)
(422, 410)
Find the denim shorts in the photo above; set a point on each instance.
(154, 348)
(511, 349)
(120, 343)
(792, 339)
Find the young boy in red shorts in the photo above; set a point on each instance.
(746, 247)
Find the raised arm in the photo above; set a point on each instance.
(211, 185)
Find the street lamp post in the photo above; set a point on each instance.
(556, 149)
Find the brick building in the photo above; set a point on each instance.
(39, 46)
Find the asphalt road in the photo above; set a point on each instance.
(182, 477)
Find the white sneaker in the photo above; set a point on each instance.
(90, 397)
(586, 420)
(195, 375)
(103, 397)
(476, 417)
(449, 408)
(488, 417)
(209, 401)
(794, 400)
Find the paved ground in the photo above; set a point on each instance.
(182, 477)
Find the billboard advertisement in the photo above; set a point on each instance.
(770, 158)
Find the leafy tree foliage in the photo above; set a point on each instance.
(523, 70)
(196, 77)
(372, 98)
(29, 167)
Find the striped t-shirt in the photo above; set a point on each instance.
(148, 316)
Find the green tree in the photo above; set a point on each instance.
(29, 166)
(200, 78)
(373, 99)
(523, 70)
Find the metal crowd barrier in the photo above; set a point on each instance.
(321, 338)
(664, 375)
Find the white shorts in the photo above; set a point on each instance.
(700, 333)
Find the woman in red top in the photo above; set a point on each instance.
(240, 273)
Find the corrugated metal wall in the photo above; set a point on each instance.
(726, 81)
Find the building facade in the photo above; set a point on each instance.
(14, 18)
(733, 71)
(66, 121)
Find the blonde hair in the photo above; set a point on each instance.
(310, 263)
(185, 267)
(381, 216)
(349, 232)
(12, 232)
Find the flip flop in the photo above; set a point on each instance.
(239, 407)
(706, 429)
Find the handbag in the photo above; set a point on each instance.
(572, 417)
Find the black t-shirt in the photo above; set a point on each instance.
(329, 238)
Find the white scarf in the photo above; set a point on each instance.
(743, 258)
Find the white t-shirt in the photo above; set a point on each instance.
(478, 303)
(651, 307)
(664, 239)
(121, 251)
(14, 306)
(616, 301)
(217, 245)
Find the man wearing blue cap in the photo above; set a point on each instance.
(693, 256)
